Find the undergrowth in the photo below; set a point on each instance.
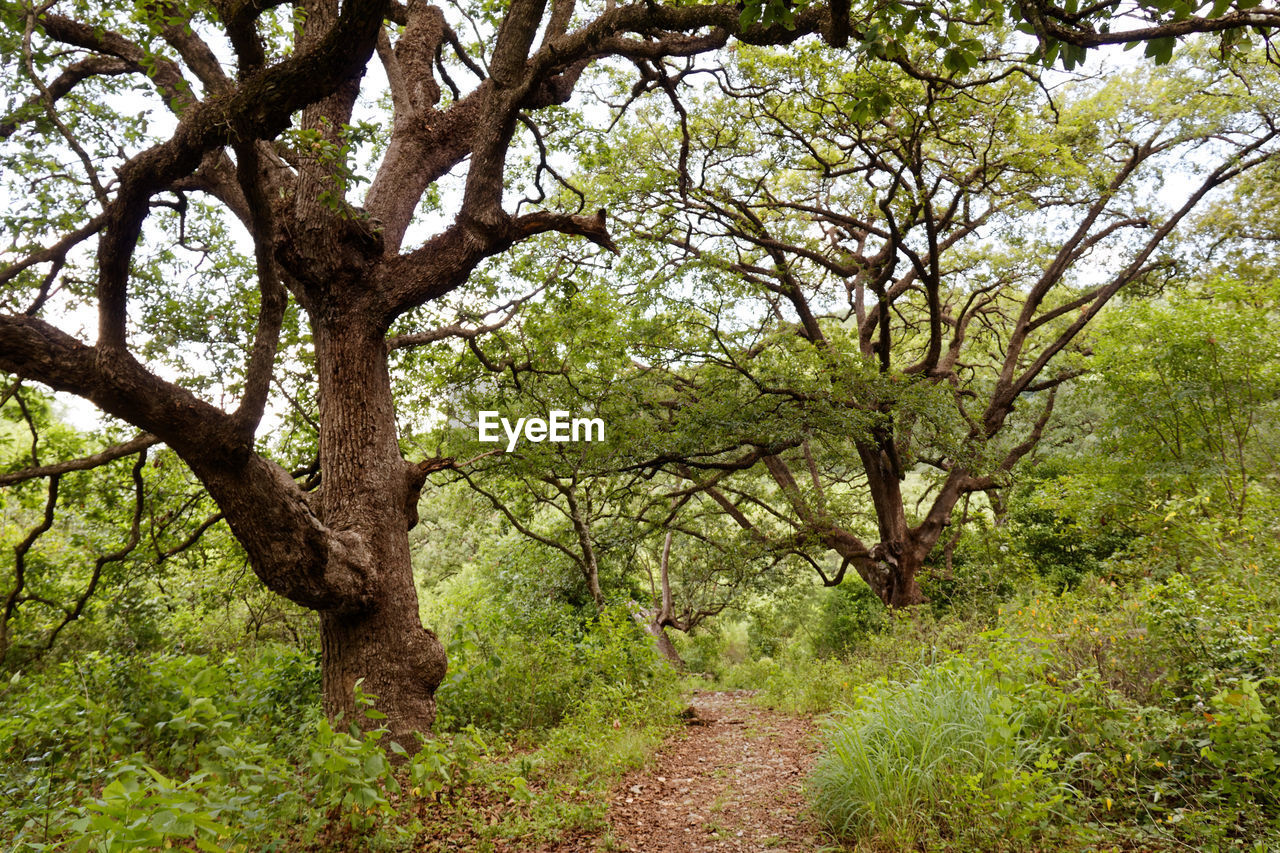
(115, 753)
(957, 752)
(1136, 710)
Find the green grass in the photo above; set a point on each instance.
(911, 759)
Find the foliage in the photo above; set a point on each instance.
(987, 567)
(132, 752)
(90, 581)
(530, 678)
(1125, 711)
(848, 296)
(1193, 388)
(957, 752)
(136, 753)
(848, 614)
(1058, 546)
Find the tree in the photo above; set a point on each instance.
(919, 255)
(328, 279)
(113, 209)
(627, 536)
(37, 602)
(1187, 378)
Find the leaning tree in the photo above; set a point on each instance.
(144, 144)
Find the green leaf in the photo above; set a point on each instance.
(1161, 49)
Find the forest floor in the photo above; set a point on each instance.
(730, 782)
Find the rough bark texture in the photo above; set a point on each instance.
(365, 492)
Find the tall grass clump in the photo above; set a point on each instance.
(953, 754)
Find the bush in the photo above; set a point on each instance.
(985, 570)
(956, 754)
(150, 752)
(1167, 729)
(503, 681)
(163, 751)
(849, 613)
(796, 683)
(1062, 543)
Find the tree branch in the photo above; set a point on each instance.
(84, 463)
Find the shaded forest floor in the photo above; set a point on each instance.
(730, 781)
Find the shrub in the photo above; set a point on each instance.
(150, 752)
(849, 613)
(956, 753)
(504, 681)
(1207, 775)
(797, 684)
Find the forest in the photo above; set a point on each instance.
(671, 425)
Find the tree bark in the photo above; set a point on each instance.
(900, 587)
(657, 622)
(896, 559)
(393, 657)
(664, 644)
(367, 491)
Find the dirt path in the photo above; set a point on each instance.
(730, 782)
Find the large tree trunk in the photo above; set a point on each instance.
(897, 559)
(891, 566)
(367, 491)
(392, 655)
(898, 586)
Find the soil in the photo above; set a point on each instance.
(731, 782)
